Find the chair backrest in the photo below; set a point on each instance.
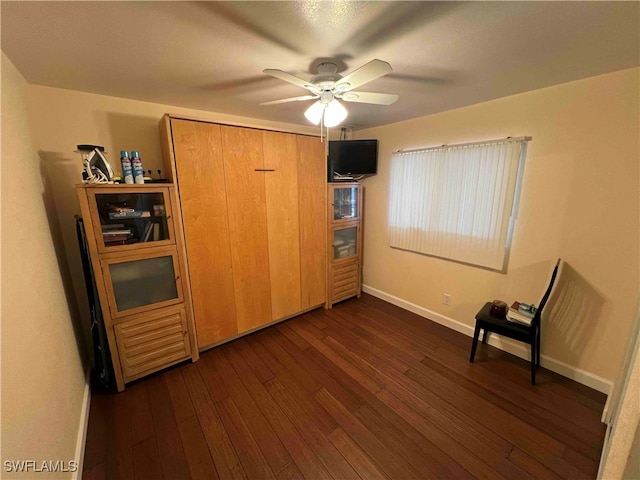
(545, 297)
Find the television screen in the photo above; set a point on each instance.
(352, 158)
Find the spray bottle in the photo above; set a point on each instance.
(136, 163)
(127, 172)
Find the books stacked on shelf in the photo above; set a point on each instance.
(126, 212)
(116, 234)
(521, 313)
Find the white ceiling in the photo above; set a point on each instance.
(210, 55)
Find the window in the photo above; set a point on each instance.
(457, 202)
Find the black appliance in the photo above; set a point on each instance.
(351, 160)
(102, 376)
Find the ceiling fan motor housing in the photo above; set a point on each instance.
(327, 76)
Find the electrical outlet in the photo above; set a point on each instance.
(446, 299)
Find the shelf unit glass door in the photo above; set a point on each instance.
(345, 242)
(130, 219)
(142, 282)
(345, 203)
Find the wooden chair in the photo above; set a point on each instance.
(523, 333)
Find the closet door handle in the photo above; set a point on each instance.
(264, 169)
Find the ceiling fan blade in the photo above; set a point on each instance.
(292, 99)
(287, 77)
(369, 97)
(366, 73)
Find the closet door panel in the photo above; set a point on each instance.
(200, 171)
(245, 188)
(281, 185)
(312, 191)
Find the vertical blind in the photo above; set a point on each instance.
(457, 202)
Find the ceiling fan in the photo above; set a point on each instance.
(327, 86)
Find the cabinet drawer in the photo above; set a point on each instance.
(345, 291)
(152, 341)
(344, 281)
(344, 272)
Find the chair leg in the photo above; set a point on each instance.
(538, 345)
(534, 349)
(533, 374)
(474, 345)
(485, 334)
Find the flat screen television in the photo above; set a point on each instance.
(352, 159)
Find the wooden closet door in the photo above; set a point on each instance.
(243, 161)
(200, 170)
(281, 186)
(312, 191)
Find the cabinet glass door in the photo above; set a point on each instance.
(131, 218)
(137, 284)
(345, 242)
(345, 203)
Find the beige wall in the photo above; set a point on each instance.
(580, 201)
(43, 382)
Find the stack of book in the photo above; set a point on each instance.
(125, 212)
(521, 313)
(116, 234)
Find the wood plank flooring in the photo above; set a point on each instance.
(363, 391)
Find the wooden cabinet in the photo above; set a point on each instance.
(137, 253)
(151, 341)
(254, 210)
(344, 241)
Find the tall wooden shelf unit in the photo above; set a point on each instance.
(344, 241)
(134, 233)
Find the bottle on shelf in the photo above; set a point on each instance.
(127, 171)
(136, 163)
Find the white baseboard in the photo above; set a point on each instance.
(515, 348)
(82, 429)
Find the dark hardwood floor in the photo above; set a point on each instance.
(363, 391)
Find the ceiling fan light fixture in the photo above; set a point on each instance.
(328, 85)
(334, 114)
(314, 112)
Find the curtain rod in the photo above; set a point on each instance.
(485, 142)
